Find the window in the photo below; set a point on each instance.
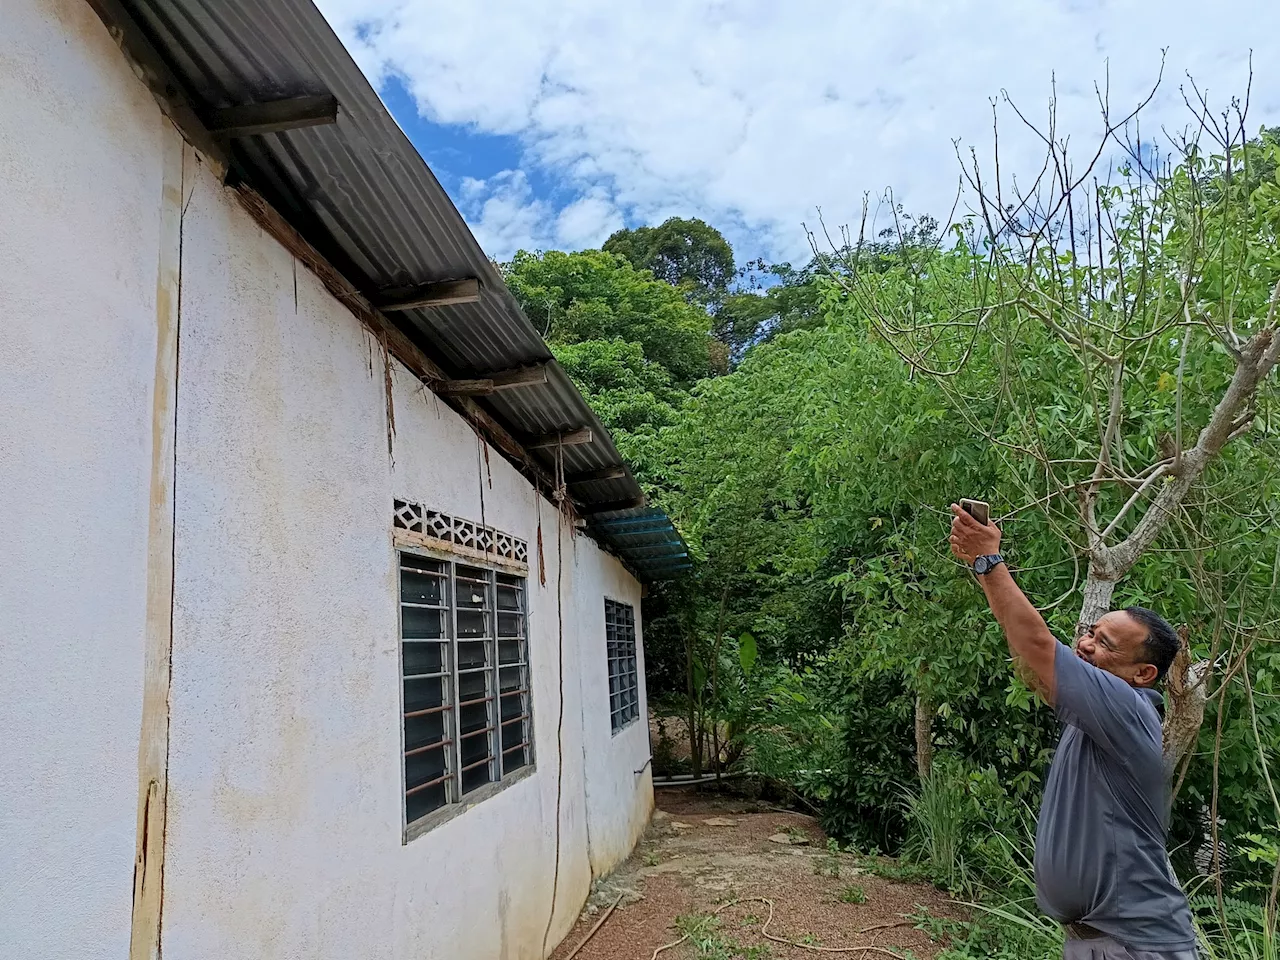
(624, 684)
(465, 663)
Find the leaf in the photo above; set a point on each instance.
(1165, 382)
(747, 652)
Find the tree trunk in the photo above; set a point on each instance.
(1097, 599)
(1184, 685)
(715, 689)
(695, 741)
(925, 712)
(1185, 689)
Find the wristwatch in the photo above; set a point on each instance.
(986, 563)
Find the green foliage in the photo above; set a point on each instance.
(687, 254)
(942, 815)
(829, 864)
(853, 893)
(1236, 930)
(595, 295)
(710, 942)
(812, 481)
(768, 301)
(632, 395)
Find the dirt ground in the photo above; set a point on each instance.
(704, 852)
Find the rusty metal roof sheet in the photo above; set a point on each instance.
(359, 191)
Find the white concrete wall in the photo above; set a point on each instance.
(80, 153)
(619, 778)
(284, 836)
(284, 825)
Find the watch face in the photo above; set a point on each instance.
(981, 565)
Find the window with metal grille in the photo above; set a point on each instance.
(464, 658)
(624, 684)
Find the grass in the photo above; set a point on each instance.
(710, 942)
(1007, 925)
(942, 815)
(1240, 932)
(852, 894)
(829, 864)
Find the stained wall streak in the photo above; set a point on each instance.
(81, 152)
(153, 740)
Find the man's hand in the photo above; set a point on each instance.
(1032, 645)
(971, 539)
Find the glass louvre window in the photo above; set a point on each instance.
(464, 658)
(624, 683)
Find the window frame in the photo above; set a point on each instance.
(634, 660)
(458, 802)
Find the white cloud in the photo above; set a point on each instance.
(751, 114)
(504, 214)
(587, 221)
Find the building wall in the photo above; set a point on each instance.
(81, 143)
(284, 834)
(619, 776)
(285, 726)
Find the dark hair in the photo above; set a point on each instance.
(1161, 644)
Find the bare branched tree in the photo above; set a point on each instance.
(1147, 273)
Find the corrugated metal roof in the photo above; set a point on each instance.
(362, 195)
(648, 539)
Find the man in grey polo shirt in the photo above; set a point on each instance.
(1100, 861)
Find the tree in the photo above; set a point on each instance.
(770, 300)
(592, 295)
(631, 395)
(1157, 295)
(688, 254)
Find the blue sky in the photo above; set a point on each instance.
(554, 122)
(454, 151)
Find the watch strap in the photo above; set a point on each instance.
(986, 563)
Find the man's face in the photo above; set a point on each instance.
(1115, 644)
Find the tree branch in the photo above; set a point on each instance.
(1222, 426)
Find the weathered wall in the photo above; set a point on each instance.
(619, 777)
(284, 833)
(80, 195)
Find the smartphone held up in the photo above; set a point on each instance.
(977, 509)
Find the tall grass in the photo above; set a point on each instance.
(942, 817)
(952, 837)
(1237, 931)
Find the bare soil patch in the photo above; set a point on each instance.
(688, 866)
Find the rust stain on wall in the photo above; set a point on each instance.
(153, 741)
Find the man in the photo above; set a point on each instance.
(1100, 862)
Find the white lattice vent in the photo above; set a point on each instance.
(462, 533)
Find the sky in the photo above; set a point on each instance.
(552, 123)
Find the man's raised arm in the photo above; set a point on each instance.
(1032, 645)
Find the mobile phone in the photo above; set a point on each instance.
(977, 509)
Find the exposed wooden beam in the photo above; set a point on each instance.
(441, 293)
(568, 438)
(398, 343)
(519, 377)
(169, 92)
(606, 506)
(592, 476)
(495, 382)
(272, 116)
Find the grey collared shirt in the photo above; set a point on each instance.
(1100, 841)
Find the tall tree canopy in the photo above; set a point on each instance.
(688, 254)
(594, 295)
